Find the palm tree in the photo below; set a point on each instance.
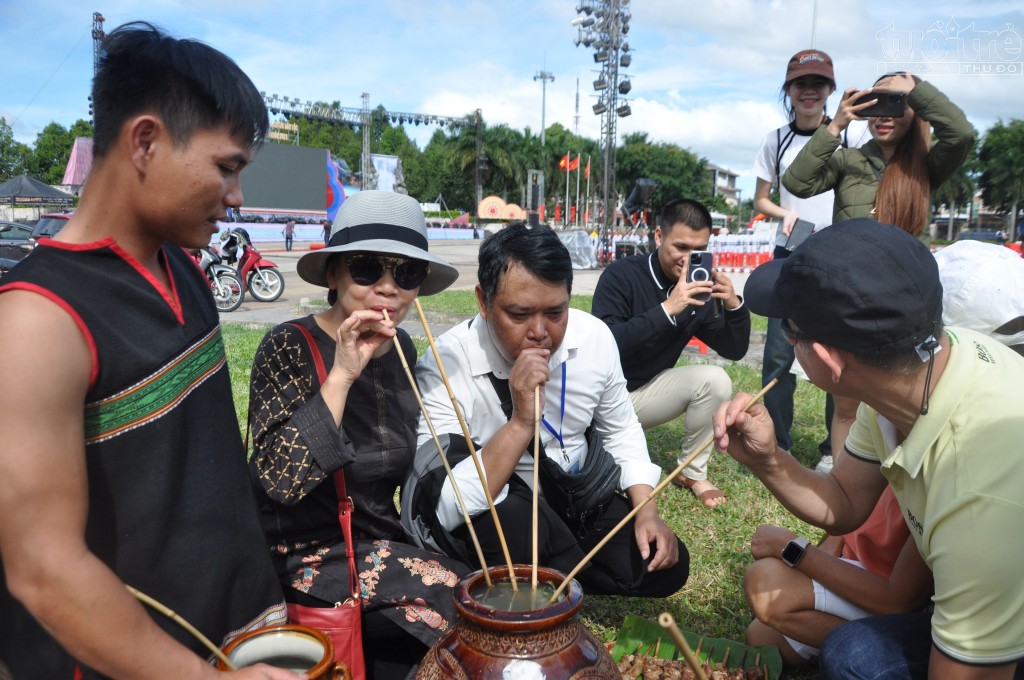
(956, 191)
(500, 171)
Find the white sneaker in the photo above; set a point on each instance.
(824, 465)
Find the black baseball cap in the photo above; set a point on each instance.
(860, 285)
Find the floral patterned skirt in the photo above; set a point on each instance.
(410, 586)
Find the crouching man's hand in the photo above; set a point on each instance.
(747, 435)
(649, 528)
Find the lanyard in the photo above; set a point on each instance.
(558, 435)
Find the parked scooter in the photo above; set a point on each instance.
(227, 287)
(262, 278)
(230, 240)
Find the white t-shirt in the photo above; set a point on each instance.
(817, 209)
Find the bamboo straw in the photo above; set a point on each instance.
(174, 616)
(661, 485)
(469, 443)
(536, 478)
(444, 461)
(669, 624)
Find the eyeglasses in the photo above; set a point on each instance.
(791, 333)
(811, 83)
(367, 270)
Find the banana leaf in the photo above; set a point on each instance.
(640, 636)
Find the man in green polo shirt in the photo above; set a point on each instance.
(940, 422)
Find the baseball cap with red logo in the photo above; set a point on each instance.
(810, 63)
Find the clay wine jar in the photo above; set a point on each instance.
(489, 644)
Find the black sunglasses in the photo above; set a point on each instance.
(792, 333)
(367, 270)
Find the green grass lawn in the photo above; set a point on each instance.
(712, 602)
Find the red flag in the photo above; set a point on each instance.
(586, 173)
(575, 165)
(563, 162)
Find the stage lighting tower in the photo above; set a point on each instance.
(602, 26)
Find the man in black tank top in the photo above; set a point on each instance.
(121, 458)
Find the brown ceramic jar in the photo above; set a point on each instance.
(490, 644)
(298, 648)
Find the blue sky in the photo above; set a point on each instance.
(706, 75)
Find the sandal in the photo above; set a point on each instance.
(704, 497)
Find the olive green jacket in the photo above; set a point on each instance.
(854, 174)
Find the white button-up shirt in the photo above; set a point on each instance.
(595, 391)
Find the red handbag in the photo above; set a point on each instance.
(343, 622)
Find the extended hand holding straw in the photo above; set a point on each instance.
(648, 498)
(176, 617)
(444, 460)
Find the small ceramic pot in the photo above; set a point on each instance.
(490, 644)
(297, 648)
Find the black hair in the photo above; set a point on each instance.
(787, 104)
(901, 361)
(332, 261)
(686, 211)
(537, 249)
(904, 361)
(189, 84)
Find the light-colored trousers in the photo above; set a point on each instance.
(696, 391)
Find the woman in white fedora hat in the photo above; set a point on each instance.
(360, 420)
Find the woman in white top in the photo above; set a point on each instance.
(809, 82)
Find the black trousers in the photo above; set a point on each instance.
(617, 569)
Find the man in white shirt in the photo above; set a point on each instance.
(526, 337)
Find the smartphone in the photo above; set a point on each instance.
(801, 230)
(889, 104)
(701, 264)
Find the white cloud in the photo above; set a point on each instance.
(705, 75)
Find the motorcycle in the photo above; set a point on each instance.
(230, 239)
(227, 287)
(262, 278)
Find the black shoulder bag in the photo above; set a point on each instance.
(577, 498)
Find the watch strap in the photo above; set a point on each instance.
(795, 550)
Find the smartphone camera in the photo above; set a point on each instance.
(889, 104)
(701, 263)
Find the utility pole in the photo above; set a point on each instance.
(365, 124)
(480, 161)
(544, 77)
(576, 118)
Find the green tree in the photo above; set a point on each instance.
(560, 141)
(678, 172)
(13, 154)
(444, 177)
(718, 204)
(1001, 159)
(956, 192)
(395, 141)
(341, 140)
(81, 128)
(49, 157)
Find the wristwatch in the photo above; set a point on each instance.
(794, 551)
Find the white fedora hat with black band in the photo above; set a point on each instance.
(379, 222)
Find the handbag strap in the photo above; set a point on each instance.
(345, 506)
